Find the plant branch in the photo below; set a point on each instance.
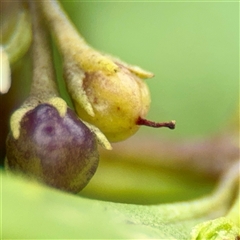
(210, 156)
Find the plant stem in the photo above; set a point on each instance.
(43, 84)
(209, 156)
(71, 44)
(214, 205)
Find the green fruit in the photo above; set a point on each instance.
(118, 101)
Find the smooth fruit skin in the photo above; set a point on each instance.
(118, 101)
(59, 151)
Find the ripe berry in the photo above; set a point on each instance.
(59, 151)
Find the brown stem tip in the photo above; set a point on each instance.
(145, 122)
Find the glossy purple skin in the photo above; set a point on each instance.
(62, 152)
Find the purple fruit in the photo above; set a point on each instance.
(60, 151)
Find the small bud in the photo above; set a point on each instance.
(59, 151)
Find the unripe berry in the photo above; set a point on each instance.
(118, 100)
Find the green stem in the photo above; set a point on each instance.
(71, 44)
(43, 80)
(216, 204)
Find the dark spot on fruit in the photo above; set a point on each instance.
(49, 130)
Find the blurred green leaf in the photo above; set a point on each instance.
(120, 180)
(32, 211)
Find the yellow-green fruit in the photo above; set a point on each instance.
(118, 100)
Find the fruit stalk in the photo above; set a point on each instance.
(43, 85)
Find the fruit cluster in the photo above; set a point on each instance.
(48, 140)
